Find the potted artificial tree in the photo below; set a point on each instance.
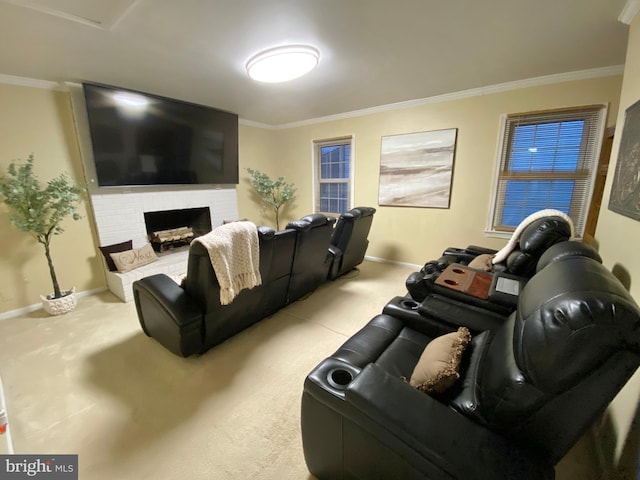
(274, 193)
(39, 211)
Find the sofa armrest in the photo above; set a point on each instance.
(460, 314)
(168, 314)
(480, 250)
(450, 442)
(335, 259)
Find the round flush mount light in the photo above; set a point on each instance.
(281, 64)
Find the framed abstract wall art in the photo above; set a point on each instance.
(416, 169)
(625, 192)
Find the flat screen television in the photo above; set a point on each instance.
(143, 139)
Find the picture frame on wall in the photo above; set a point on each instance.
(416, 169)
(625, 191)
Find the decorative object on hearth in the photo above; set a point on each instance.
(416, 169)
(107, 250)
(39, 211)
(625, 192)
(131, 259)
(172, 238)
(275, 194)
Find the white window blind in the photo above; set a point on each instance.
(547, 160)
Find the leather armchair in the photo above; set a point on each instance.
(310, 265)
(529, 387)
(349, 241)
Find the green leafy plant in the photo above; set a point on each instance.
(274, 193)
(39, 210)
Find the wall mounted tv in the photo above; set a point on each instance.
(143, 139)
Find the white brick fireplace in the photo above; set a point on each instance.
(119, 211)
(119, 217)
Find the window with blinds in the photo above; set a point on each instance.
(547, 160)
(333, 175)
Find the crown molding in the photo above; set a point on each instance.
(474, 92)
(629, 12)
(556, 78)
(448, 97)
(251, 123)
(57, 13)
(89, 22)
(30, 82)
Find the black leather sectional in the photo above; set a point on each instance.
(189, 318)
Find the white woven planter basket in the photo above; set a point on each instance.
(59, 306)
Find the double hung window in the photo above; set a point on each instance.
(333, 174)
(547, 160)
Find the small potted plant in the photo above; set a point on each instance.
(274, 193)
(39, 211)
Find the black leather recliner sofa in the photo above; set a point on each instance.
(310, 261)
(529, 387)
(349, 240)
(190, 319)
(534, 240)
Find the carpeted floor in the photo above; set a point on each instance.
(90, 382)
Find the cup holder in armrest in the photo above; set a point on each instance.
(339, 378)
(402, 307)
(334, 376)
(410, 304)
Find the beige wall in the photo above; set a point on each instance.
(40, 121)
(618, 236)
(257, 150)
(415, 235)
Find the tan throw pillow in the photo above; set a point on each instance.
(107, 250)
(130, 259)
(438, 366)
(483, 262)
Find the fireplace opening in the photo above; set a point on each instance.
(171, 229)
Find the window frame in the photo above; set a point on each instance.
(317, 146)
(579, 208)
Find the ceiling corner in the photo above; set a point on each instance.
(629, 11)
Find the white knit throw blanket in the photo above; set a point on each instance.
(504, 252)
(235, 257)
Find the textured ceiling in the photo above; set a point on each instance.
(373, 52)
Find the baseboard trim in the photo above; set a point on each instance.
(391, 262)
(37, 306)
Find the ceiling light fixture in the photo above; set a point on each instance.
(281, 64)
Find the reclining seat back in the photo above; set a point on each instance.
(534, 241)
(251, 305)
(349, 241)
(310, 263)
(521, 260)
(558, 361)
